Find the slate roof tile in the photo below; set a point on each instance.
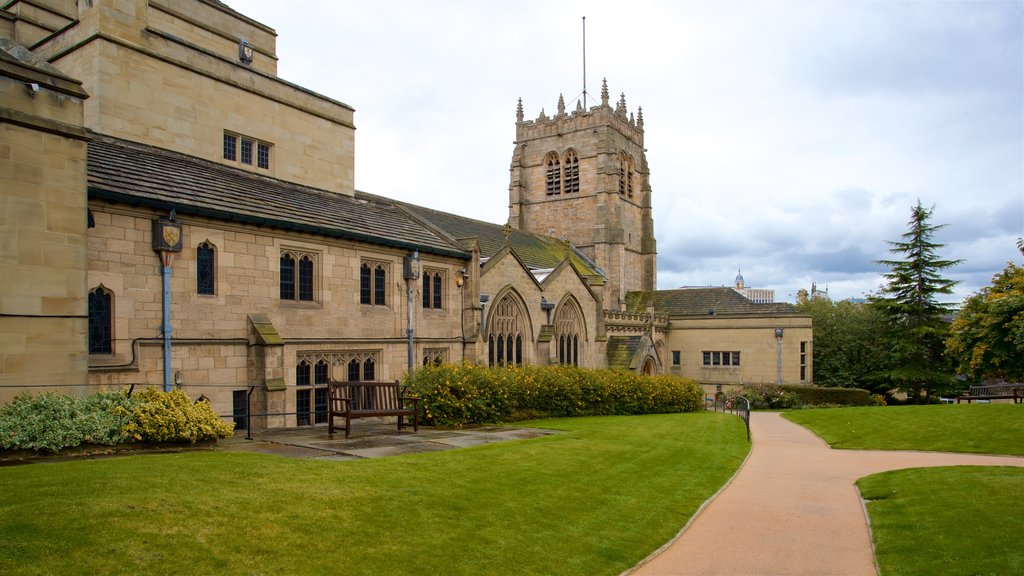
(134, 173)
(701, 302)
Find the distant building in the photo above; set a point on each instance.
(755, 295)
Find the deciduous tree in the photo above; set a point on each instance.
(846, 346)
(987, 337)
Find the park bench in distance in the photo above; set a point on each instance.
(351, 400)
(1013, 392)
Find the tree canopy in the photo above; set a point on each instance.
(987, 337)
(847, 348)
(916, 320)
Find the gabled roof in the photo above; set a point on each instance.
(133, 173)
(536, 251)
(621, 350)
(703, 302)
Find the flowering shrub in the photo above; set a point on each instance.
(51, 421)
(769, 396)
(171, 416)
(455, 395)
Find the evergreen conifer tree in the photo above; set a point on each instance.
(917, 322)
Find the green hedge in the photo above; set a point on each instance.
(455, 395)
(52, 422)
(819, 396)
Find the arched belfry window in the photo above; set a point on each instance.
(568, 333)
(625, 174)
(101, 318)
(507, 333)
(553, 172)
(630, 176)
(571, 172)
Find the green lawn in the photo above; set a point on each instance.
(947, 521)
(594, 499)
(977, 428)
(937, 521)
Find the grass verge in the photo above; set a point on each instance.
(593, 500)
(974, 428)
(938, 521)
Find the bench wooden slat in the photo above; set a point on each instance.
(1013, 392)
(351, 400)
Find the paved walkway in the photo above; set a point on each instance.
(792, 509)
(371, 438)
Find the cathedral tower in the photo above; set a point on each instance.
(583, 177)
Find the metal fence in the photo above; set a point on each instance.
(738, 405)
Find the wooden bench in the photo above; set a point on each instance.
(1013, 392)
(350, 400)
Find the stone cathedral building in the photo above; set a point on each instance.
(150, 144)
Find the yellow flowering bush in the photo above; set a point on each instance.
(454, 395)
(159, 416)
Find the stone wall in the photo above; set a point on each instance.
(213, 343)
(43, 220)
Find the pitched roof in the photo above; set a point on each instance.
(621, 350)
(535, 250)
(133, 173)
(703, 302)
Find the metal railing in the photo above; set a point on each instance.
(737, 405)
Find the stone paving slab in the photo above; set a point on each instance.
(792, 509)
(373, 439)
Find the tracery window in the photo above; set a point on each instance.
(205, 269)
(101, 321)
(433, 295)
(435, 356)
(313, 371)
(505, 339)
(311, 392)
(553, 181)
(571, 173)
(297, 276)
(373, 283)
(568, 327)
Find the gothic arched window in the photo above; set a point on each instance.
(505, 341)
(571, 172)
(205, 268)
(101, 321)
(568, 327)
(553, 173)
(373, 283)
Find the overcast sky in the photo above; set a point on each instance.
(789, 139)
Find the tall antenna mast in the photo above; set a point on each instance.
(584, 62)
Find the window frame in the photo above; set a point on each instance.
(432, 287)
(373, 282)
(206, 272)
(299, 281)
(246, 151)
(720, 359)
(102, 327)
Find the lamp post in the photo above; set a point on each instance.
(166, 242)
(778, 356)
(411, 272)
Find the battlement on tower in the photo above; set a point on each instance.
(563, 122)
